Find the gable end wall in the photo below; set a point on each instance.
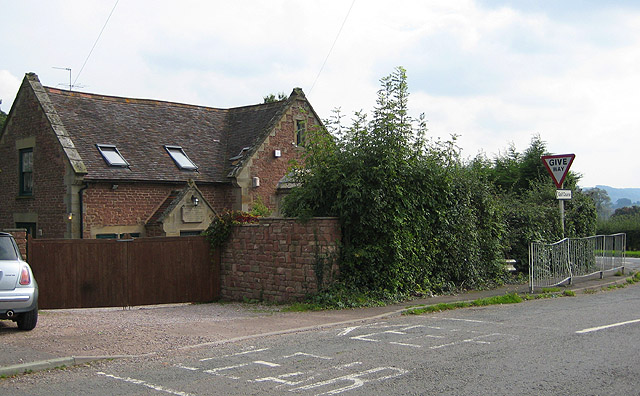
(48, 205)
(269, 169)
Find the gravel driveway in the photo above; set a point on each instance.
(137, 330)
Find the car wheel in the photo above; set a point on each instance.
(28, 320)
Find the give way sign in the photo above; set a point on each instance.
(558, 166)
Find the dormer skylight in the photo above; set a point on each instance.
(111, 155)
(180, 158)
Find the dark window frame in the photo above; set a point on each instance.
(301, 130)
(25, 188)
(104, 148)
(30, 227)
(180, 161)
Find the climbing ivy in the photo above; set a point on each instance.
(219, 230)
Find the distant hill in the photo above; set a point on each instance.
(633, 194)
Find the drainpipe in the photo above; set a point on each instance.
(86, 185)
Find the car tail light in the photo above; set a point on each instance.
(25, 277)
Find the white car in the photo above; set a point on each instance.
(18, 287)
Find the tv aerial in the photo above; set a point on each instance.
(71, 86)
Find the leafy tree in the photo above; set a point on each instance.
(623, 220)
(622, 202)
(273, 98)
(627, 211)
(414, 218)
(602, 201)
(516, 172)
(528, 196)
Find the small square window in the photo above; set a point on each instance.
(107, 236)
(180, 158)
(26, 171)
(300, 132)
(111, 155)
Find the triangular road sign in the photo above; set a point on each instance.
(558, 166)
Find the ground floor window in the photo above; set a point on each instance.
(30, 227)
(118, 236)
(190, 233)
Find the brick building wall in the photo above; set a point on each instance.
(279, 259)
(269, 168)
(20, 236)
(131, 204)
(46, 206)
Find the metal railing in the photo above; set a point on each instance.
(552, 264)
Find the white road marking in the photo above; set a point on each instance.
(216, 371)
(145, 384)
(186, 367)
(234, 354)
(347, 331)
(347, 365)
(306, 354)
(475, 340)
(412, 327)
(269, 364)
(355, 380)
(280, 379)
(405, 344)
(364, 337)
(592, 329)
(467, 320)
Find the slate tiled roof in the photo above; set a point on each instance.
(140, 128)
(163, 209)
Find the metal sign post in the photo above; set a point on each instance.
(558, 167)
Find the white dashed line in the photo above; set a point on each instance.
(592, 329)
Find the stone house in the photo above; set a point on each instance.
(80, 165)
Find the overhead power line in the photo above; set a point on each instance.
(332, 45)
(96, 42)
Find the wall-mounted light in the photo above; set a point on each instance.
(277, 153)
(70, 216)
(255, 182)
(194, 200)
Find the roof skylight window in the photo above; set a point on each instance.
(180, 158)
(111, 155)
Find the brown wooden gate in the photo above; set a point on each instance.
(83, 273)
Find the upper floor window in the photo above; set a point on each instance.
(111, 155)
(301, 128)
(180, 158)
(26, 171)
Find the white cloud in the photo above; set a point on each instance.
(494, 71)
(9, 85)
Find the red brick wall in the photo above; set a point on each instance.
(49, 166)
(277, 259)
(20, 235)
(133, 203)
(271, 169)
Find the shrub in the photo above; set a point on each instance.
(414, 217)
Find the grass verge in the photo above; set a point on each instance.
(512, 298)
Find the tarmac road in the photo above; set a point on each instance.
(582, 345)
(68, 337)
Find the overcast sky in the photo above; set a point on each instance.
(494, 72)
